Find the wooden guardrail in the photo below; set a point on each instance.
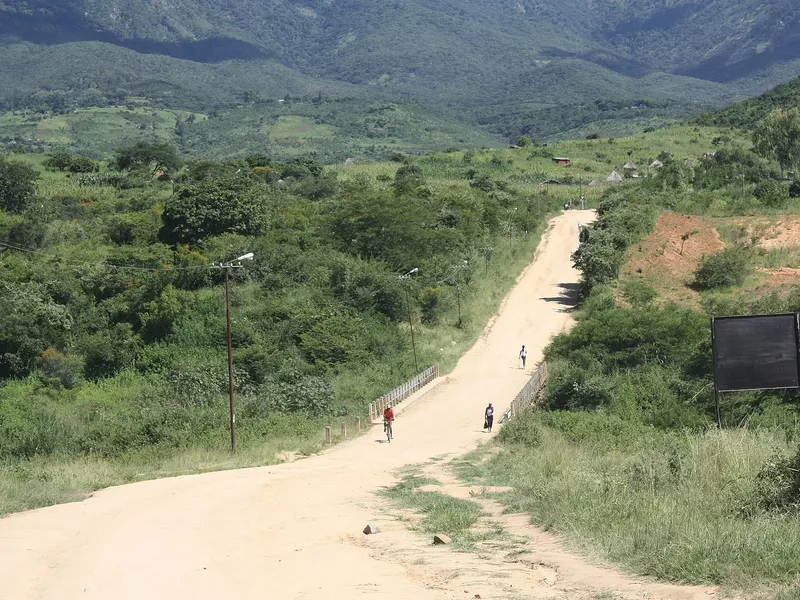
(400, 393)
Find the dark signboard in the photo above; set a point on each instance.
(756, 353)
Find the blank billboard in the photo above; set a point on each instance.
(756, 353)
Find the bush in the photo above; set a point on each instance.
(108, 353)
(213, 207)
(723, 269)
(58, 369)
(772, 193)
(638, 293)
(777, 487)
(17, 185)
(524, 430)
(431, 303)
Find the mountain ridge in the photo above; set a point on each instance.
(469, 57)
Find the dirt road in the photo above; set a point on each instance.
(293, 531)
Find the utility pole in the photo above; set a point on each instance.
(227, 267)
(410, 320)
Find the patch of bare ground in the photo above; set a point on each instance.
(667, 258)
(771, 232)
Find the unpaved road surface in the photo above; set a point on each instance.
(293, 531)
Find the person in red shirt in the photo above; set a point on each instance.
(388, 420)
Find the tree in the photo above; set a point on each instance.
(212, 207)
(408, 179)
(17, 185)
(160, 156)
(777, 137)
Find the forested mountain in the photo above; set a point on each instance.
(484, 59)
(747, 114)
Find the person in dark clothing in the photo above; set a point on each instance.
(488, 418)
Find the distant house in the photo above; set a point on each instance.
(594, 183)
(614, 177)
(550, 182)
(657, 164)
(689, 162)
(561, 160)
(629, 166)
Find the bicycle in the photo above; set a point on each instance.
(387, 428)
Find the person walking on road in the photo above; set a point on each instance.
(488, 418)
(523, 355)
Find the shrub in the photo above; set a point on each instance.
(431, 302)
(794, 189)
(17, 185)
(110, 352)
(213, 207)
(772, 193)
(523, 430)
(638, 293)
(58, 369)
(727, 268)
(777, 487)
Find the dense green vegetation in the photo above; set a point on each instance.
(747, 114)
(530, 67)
(112, 341)
(332, 130)
(623, 457)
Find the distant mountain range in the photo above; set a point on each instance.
(504, 64)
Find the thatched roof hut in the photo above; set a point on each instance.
(614, 177)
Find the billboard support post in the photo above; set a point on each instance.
(716, 388)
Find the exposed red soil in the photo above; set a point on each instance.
(658, 260)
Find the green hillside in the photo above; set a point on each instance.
(475, 60)
(330, 129)
(745, 115)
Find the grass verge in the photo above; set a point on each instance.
(441, 514)
(662, 504)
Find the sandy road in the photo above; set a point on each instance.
(282, 531)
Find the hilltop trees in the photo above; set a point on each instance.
(778, 137)
(225, 204)
(159, 156)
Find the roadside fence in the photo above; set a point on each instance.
(400, 393)
(527, 394)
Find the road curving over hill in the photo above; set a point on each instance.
(293, 531)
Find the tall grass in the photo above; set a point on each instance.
(664, 504)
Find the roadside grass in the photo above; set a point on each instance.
(44, 481)
(664, 504)
(441, 514)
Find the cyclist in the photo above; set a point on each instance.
(388, 420)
